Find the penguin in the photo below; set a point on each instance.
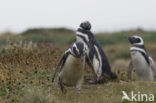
(97, 59)
(72, 67)
(141, 61)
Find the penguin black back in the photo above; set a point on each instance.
(91, 41)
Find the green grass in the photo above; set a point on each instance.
(63, 36)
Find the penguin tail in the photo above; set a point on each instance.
(113, 75)
(110, 75)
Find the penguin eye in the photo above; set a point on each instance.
(137, 40)
(74, 49)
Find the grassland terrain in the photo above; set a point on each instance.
(28, 61)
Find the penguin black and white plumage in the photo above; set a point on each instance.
(97, 58)
(72, 66)
(141, 62)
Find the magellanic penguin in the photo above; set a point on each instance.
(141, 62)
(72, 67)
(97, 58)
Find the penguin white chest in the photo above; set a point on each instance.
(138, 59)
(72, 71)
(141, 67)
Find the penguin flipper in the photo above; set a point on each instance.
(63, 59)
(129, 71)
(152, 64)
(60, 63)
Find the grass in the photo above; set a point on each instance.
(55, 36)
(27, 63)
(25, 77)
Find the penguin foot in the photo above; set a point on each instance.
(61, 86)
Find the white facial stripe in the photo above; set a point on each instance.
(79, 39)
(138, 49)
(84, 35)
(141, 42)
(80, 27)
(74, 45)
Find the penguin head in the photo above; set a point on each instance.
(85, 25)
(135, 40)
(79, 50)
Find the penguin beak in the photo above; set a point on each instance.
(129, 38)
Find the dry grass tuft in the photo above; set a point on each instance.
(25, 77)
